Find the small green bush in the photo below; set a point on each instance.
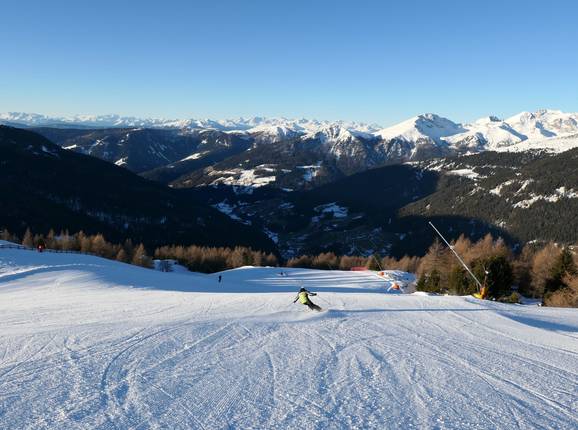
(512, 298)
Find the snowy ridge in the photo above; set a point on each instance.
(543, 129)
(427, 126)
(92, 343)
(254, 124)
(555, 131)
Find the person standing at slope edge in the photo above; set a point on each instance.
(303, 298)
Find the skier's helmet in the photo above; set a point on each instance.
(302, 289)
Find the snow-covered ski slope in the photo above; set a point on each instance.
(91, 343)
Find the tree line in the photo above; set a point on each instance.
(548, 272)
(209, 259)
(195, 258)
(96, 244)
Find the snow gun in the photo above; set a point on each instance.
(482, 289)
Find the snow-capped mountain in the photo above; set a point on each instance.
(257, 124)
(536, 130)
(334, 133)
(430, 129)
(544, 123)
(87, 121)
(177, 149)
(427, 126)
(486, 133)
(273, 133)
(533, 128)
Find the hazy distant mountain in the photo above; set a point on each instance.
(110, 121)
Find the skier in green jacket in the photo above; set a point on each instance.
(303, 298)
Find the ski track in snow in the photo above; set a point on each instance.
(90, 343)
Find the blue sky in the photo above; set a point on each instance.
(372, 61)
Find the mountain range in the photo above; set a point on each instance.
(289, 154)
(490, 132)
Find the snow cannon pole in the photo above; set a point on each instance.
(457, 256)
(372, 255)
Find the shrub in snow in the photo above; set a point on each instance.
(165, 266)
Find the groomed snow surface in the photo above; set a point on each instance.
(91, 343)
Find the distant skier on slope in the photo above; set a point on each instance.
(303, 298)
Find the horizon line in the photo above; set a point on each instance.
(78, 116)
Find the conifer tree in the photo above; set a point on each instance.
(373, 262)
(563, 267)
(7, 236)
(496, 272)
(27, 240)
(258, 258)
(271, 260)
(128, 247)
(100, 246)
(236, 258)
(430, 282)
(140, 257)
(459, 282)
(564, 297)
(74, 241)
(325, 261)
(542, 266)
(51, 240)
(522, 267)
(303, 261)
(121, 256)
(85, 243)
(438, 259)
